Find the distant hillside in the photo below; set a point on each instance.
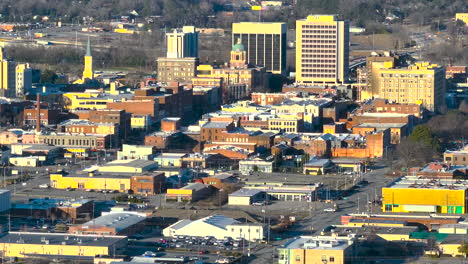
(202, 12)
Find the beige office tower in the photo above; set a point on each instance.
(182, 43)
(322, 50)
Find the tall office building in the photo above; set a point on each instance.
(322, 50)
(265, 44)
(7, 76)
(182, 43)
(24, 76)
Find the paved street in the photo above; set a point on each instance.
(319, 219)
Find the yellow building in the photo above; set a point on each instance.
(410, 194)
(23, 79)
(26, 245)
(7, 76)
(368, 76)
(462, 16)
(264, 42)
(422, 83)
(91, 181)
(88, 73)
(91, 100)
(320, 249)
(322, 50)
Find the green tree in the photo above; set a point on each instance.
(48, 76)
(423, 134)
(463, 249)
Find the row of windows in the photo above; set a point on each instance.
(308, 46)
(318, 66)
(406, 75)
(319, 26)
(93, 103)
(319, 61)
(405, 81)
(287, 123)
(318, 76)
(318, 31)
(409, 95)
(407, 90)
(319, 36)
(318, 56)
(318, 41)
(319, 70)
(429, 87)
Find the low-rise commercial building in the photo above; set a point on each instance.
(246, 196)
(147, 183)
(58, 208)
(132, 152)
(307, 249)
(111, 223)
(412, 194)
(248, 166)
(218, 226)
(220, 180)
(457, 157)
(317, 166)
(59, 245)
(191, 192)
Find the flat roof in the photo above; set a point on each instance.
(59, 239)
(246, 192)
(319, 242)
(136, 163)
(414, 182)
(117, 220)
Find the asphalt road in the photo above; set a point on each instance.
(318, 219)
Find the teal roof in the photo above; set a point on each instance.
(425, 235)
(238, 48)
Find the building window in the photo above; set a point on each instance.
(332, 259)
(298, 258)
(324, 258)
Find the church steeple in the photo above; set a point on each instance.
(88, 49)
(88, 72)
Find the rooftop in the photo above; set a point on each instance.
(319, 243)
(216, 124)
(414, 182)
(136, 163)
(117, 220)
(46, 203)
(196, 186)
(246, 192)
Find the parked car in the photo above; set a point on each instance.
(329, 210)
(44, 186)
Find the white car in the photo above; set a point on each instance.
(44, 186)
(329, 210)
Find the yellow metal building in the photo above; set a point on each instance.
(25, 245)
(90, 181)
(462, 16)
(408, 195)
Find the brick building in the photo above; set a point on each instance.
(48, 116)
(148, 184)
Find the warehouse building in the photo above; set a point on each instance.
(218, 226)
(411, 194)
(59, 245)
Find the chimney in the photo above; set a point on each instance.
(38, 113)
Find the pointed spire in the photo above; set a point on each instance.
(88, 49)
